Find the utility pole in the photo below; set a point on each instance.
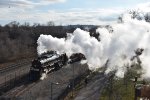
(51, 91)
(52, 88)
(110, 88)
(73, 83)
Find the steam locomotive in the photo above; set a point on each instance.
(51, 61)
(47, 62)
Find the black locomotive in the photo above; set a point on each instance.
(51, 61)
(47, 62)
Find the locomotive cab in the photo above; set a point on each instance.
(35, 70)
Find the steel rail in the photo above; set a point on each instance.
(11, 67)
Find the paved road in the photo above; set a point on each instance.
(92, 91)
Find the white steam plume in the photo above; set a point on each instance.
(118, 46)
(79, 41)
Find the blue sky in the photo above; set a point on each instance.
(66, 11)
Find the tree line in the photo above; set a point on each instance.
(20, 40)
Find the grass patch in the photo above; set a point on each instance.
(122, 88)
(118, 90)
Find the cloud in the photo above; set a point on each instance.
(27, 3)
(15, 3)
(54, 1)
(72, 16)
(91, 16)
(144, 7)
(48, 2)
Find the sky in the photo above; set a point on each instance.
(67, 12)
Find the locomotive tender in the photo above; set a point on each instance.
(75, 57)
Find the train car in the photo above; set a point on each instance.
(47, 62)
(75, 57)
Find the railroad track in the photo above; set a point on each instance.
(14, 66)
(22, 90)
(26, 88)
(13, 83)
(16, 92)
(13, 75)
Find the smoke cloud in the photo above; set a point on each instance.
(117, 46)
